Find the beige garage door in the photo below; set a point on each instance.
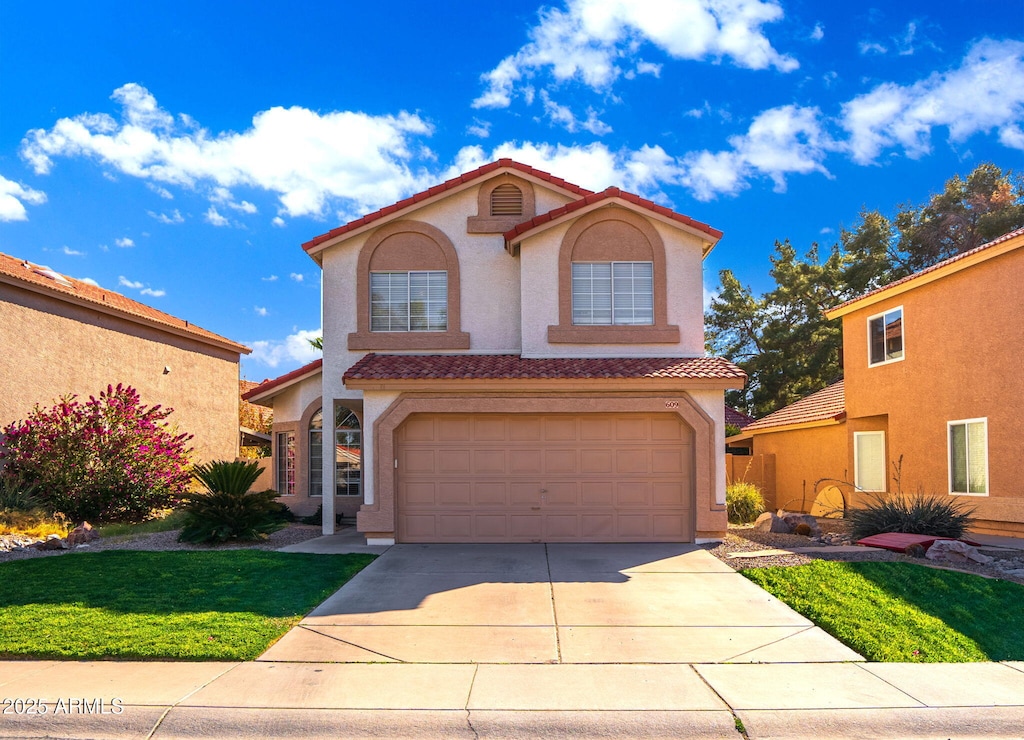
(545, 478)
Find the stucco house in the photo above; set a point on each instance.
(60, 336)
(510, 358)
(932, 379)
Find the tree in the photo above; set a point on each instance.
(782, 339)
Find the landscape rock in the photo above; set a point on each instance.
(769, 522)
(955, 551)
(794, 520)
(82, 534)
(52, 542)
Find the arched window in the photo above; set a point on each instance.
(506, 200)
(349, 449)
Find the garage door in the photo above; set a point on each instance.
(545, 478)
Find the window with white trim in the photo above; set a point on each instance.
(286, 463)
(885, 337)
(348, 444)
(612, 293)
(316, 454)
(869, 461)
(968, 456)
(409, 301)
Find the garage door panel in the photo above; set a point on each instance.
(545, 478)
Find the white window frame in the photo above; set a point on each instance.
(408, 302)
(856, 461)
(949, 456)
(611, 267)
(281, 460)
(903, 335)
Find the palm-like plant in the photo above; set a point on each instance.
(227, 509)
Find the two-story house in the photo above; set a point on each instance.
(931, 389)
(510, 358)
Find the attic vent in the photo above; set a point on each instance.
(506, 200)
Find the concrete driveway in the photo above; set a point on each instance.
(581, 604)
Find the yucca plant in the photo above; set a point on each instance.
(743, 502)
(18, 496)
(227, 509)
(911, 514)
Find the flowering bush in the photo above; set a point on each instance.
(108, 459)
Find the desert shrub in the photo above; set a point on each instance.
(17, 496)
(227, 509)
(912, 514)
(317, 517)
(108, 459)
(743, 502)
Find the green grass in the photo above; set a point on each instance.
(162, 605)
(899, 612)
(172, 520)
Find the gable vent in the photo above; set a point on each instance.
(506, 200)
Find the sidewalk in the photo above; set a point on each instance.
(265, 699)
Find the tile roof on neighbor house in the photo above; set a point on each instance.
(438, 189)
(737, 418)
(269, 384)
(828, 404)
(514, 367)
(43, 279)
(554, 214)
(926, 271)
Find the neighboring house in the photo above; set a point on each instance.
(932, 386)
(510, 358)
(737, 418)
(62, 336)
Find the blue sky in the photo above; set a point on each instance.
(180, 153)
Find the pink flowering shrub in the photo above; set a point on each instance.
(107, 459)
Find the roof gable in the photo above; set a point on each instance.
(272, 386)
(42, 279)
(825, 406)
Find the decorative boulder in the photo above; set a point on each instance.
(769, 522)
(52, 542)
(955, 551)
(795, 520)
(82, 534)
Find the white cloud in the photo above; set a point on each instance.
(308, 159)
(270, 279)
(985, 93)
(818, 33)
(648, 68)
(564, 117)
(294, 348)
(278, 222)
(14, 196)
(245, 207)
(780, 141)
(297, 277)
(88, 281)
(71, 252)
(213, 217)
(162, 192)
(871, 47)
(827, 230)
(125, 282)
(174, 218)
(124, 242)
(589, 40)
(154, 293)
(260, 310)
(481, 129)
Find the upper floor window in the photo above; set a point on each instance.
(885, 337)
(612, 293)
(507, 200)
(968, 456)
(409, 301)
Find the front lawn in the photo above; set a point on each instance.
(900, 612)
(227, 605)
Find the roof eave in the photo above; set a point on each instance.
(261, 397)
(462, 385)
(831, 421)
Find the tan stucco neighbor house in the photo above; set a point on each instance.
(61, 336)
(932, 377)
(510, 358)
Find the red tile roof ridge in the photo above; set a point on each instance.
(607, 194)
(272, 383)
(827, 404)
(446, 185)
(496, 367)
(932, 268)
(45, 277)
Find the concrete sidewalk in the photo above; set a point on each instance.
(791, 700)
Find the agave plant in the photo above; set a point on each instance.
(911, 514)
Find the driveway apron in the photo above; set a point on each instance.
(548, 604)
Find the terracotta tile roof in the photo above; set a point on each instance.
(447, 185)
(271, 383)
(62, 286)
(511, 367)
(828, 404)
(737, 418)
(933, 268)
(587, 200)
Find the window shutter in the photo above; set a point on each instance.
(506, 200)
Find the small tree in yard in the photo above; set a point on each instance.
(108, 459)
